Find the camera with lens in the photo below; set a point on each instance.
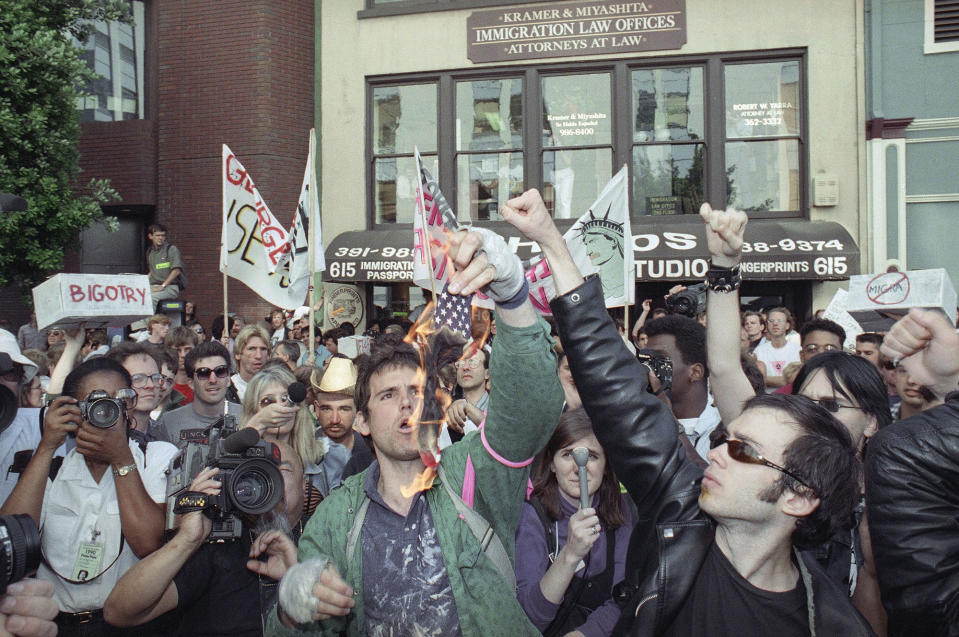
(100, 409)
(661, 367)
(690, 302)
(251, 482)
(19, 549)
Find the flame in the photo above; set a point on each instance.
(435, 348)
(421, 482)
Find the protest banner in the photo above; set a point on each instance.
(253, 242)
(597, 244)
(877, 301)
(836, 312)
(99, 300)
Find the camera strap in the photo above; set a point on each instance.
(89, 579)
(190, 501)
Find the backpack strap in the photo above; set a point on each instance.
(483, 531)
(552, 547)
(355, 530)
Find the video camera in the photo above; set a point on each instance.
(661, 367)
(251, 480)
(690, 302)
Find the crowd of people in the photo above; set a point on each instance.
(705, 472)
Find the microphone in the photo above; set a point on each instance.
(581, 457)
(295, 393)
(241, 440)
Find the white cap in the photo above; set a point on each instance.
(8, 344)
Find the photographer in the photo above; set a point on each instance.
(212, 585)
(21, 431)
(102, 509)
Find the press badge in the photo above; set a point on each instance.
(89, 561)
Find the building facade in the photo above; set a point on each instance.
(912, 60)
(757, 105)
(189, 77)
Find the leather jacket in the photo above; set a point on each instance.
(638, 432)
(912, 494)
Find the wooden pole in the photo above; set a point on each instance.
(309, 237)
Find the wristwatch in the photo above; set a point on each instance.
(124, 470)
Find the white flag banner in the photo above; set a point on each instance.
(600, 241)
(253, 241)
(296, 252)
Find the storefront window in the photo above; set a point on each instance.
(577, 117)
(763, 136)
(668, 141)
(115, 52)
(723, 128)
(489, 121)
(403, 117)
(396, 300)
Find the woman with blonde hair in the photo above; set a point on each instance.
(267, 409)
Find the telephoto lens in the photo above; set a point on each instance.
(19, 549)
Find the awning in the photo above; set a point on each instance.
(774, 251)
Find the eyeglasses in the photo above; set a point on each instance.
(470, 364)
(220, 372)
(833, 405)
(743, 452)
(198, 330)
(812, 348)
(266, 401)
(140, 380)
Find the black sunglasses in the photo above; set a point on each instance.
(743, 452)
(832, 405)
(221, 372)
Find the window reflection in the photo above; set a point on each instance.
(404, 117)
(577, 110)
(489, 114)
(114, 51)
(572, 179)
(762, 99)
(487, 181)
(763, 175)
(668, 104)
(668, 179)
(394, 194)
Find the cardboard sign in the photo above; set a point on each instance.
(353, 346)
(877, 301)
(836, 312)
(99, 300)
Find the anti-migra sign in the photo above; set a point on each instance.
(578, 28)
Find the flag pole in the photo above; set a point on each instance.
(311, 358)
(427, 231)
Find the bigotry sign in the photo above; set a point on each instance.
(99, 300)
(580, 28)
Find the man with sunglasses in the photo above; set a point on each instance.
(713, 553)
(816, 337)
(103, 508)
(208, 371)
(141, 363)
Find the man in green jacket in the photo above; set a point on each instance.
(412, 565)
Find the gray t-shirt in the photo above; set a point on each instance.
(186, 418)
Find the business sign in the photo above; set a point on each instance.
(773, 251)
(575, 28)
